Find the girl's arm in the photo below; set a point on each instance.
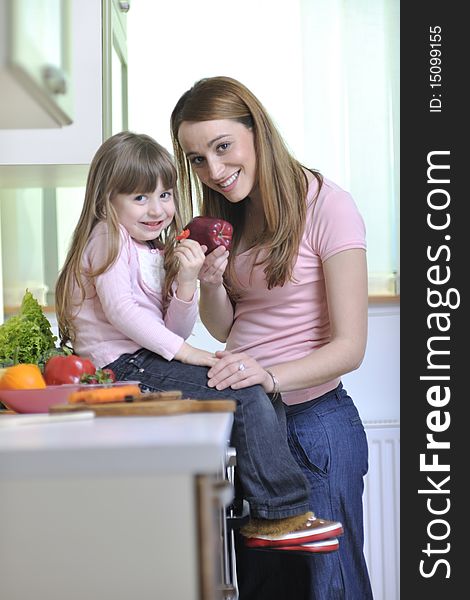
(215, 307)
(195, 356)
(346, 288)
(191, 257)
(182, 310)
(143, 324)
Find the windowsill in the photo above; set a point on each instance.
(376, 299)
(385, 299)
(14, 310)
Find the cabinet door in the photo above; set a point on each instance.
(213, 497)
(115, 109)
(56, 157)
(39, 60)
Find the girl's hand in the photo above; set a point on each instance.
(191, 258)
(189, 355)
(227, 373)
(213, 268)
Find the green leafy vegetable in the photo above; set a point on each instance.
(27, 337)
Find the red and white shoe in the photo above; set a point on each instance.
(328, 545)
(312, 531)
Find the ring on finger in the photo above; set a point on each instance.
(241, 367)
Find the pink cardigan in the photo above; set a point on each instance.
(121, 314)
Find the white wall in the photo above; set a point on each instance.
(173, 44)
(375, 386)
(327, 72)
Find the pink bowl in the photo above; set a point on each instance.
(37, 400)
(41, 399)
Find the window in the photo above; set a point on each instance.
(327, 72)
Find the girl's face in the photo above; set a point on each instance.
(222, 154)
(145, 215)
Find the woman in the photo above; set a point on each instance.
(127, 298)
(290, 301)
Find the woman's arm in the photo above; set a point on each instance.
(216, 311)
(215, 307)
(347, 297)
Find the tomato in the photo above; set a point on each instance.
(67, 369)
(22, 377)
(99, 376)
(109, 374)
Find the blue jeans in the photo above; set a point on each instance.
(328, 441)
(271, 480)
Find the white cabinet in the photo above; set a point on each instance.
(60, 157)
(114, 507)
(35, 65)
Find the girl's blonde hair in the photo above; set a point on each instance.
(281, 178)
(125, 163)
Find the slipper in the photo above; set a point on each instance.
(312, 531)
(328, 545)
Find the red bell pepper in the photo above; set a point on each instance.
(67, 369)
(210, 231)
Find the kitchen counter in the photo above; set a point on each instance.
(115, 445)
(107, 507)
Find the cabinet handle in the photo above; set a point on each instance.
(223, 493)
(230, 456)
(124, 6)
(54, 79)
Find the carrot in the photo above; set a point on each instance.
(104, 395)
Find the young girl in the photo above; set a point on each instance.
(290, 301)
(127, 298)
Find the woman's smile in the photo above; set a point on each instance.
(229, 183)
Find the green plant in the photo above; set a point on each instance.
(27, 337)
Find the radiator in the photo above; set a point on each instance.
(382, 509)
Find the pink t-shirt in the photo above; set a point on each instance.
(287, 323)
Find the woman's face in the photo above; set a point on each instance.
(222, 154)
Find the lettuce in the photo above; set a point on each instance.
(26, 337)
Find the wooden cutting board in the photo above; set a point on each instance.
(149, 407)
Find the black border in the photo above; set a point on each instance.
(422, 132)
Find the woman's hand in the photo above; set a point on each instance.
(213, 268)
(238, 371)
(189, 355)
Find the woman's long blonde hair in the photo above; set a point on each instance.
(125, 163)
(281, 178)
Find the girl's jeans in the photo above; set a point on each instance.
(271, 480)
(328, 441)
